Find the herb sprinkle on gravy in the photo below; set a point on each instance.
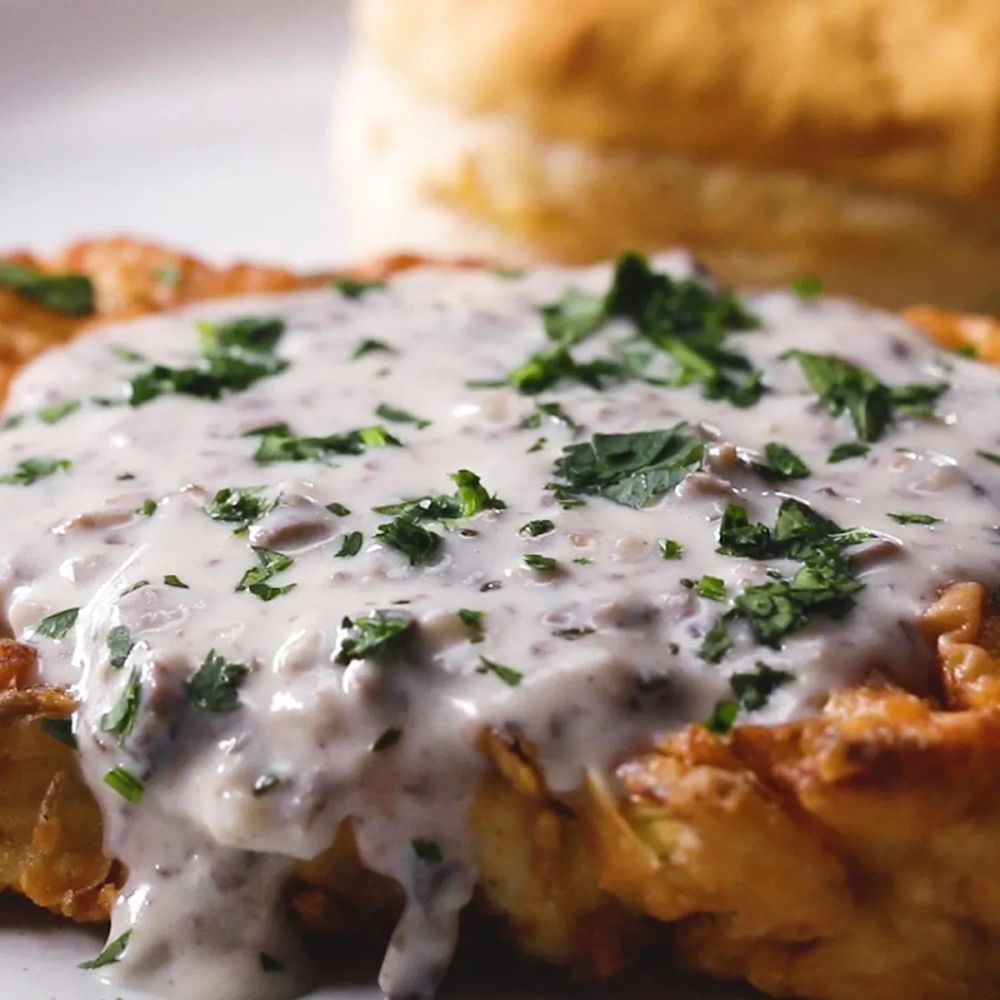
(293, 554)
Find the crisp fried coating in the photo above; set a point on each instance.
(850, 855)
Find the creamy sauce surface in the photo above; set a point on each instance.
(592, 660)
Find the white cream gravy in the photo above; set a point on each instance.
(206, 856)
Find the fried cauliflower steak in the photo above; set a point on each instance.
(854, 854)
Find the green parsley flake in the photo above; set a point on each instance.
(717, 642)
(416, 542)
(808, 288)
(30, 470)
(533, 529)
(172, 580)
(58, 411)
(355, 288)
(350, 545)
(849, 449)
(373, 637)
(61, 730)
(240, 505)
(66, 294)
(508, 675)
(371, 346)
(126, 784)
(120, 644)
(215, 685)
(397, 416)
(915, 518)
(147, 508)
(540, 563)
(120, 721)
(279, 444)
(57, 625)
(723, 717)
(111, 954)
(669, 549)
(990, 456)
(632, 469)
(873, 406)
(781, 463)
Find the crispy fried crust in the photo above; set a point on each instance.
(850, 855)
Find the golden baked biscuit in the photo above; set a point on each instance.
(857, 141)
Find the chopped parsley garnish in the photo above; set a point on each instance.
(915, 518)
(369, 346)
(270, 563)
(781, 463)
(240, 505)
(990, 456)
(716, 643)
(533, 529)
(575, 316)
(538, 445)
(66, 294)
(147, 508)
(246, 334)
(824, 584)
(540, 563)
(61, 730)
(172, 580)
(215, 685)
(120, 721)
(415, 541)
(372, 637)
(683, 320)
(56, 626)
(338, 509)
(30, 470)
(752, 690)
(807, 288)
(279, 444)
(350, 545)
(548, 411)
(710, 587)
(120, 644)
(473, 498)
(235, 355)
(58, 411)
(130, 788)
(723, 717)
(138, 585)
(111, 954)
(508, 675)
(354, 288)
(397, 416)
(126, 353)
(872, 405)
(427, 850)
(669, 549)
(388, 738)
(849, 449)
(265, 783)
(631, 469)
(473, 621)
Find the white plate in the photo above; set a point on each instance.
(203, 125)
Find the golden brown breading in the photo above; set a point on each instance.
(850, 855)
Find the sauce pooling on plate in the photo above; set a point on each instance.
(295, 554)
